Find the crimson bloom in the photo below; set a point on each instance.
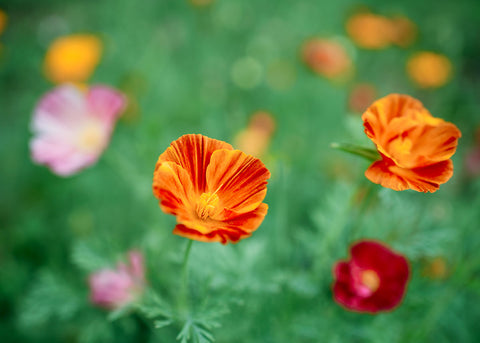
(215, 192)
(374, 279)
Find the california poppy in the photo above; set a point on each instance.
(72, 58)
(72, 128)
(415, 146)
(374, 279)
(215, 192)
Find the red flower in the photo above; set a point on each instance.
(215, 192)
(373, 280)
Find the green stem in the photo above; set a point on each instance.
(367, 153)
(184, 290)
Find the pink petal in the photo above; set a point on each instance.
(59, 110)
(105, 103)
(60, 156)
(136, 265)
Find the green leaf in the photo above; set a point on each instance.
(367, 153)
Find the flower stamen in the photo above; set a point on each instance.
(206, 205)
(370, 279)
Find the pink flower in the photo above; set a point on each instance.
(72, 128)
(115, 288)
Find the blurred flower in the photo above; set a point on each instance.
(361, 96)
(201, 3)
(429, 70)
(72, 58)
(3, 21)
(404, 31)
(255, 139)
(72, 128)
(436, 268)
(215, 192)
(472, 162)
(326, 57)
(115, 288)
(374, 279)
(370, 31)
(472, 159)
(415, 146)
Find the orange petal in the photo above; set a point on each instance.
(193, 153)
(436, 144)
(238, 179)
(223, 236)
(249, 221)
(381, 112)
(173, 187)
(424, 179)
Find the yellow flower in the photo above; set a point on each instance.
(429, 70)
(72, 58)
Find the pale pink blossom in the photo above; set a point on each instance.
(72, 127)
(115, 288)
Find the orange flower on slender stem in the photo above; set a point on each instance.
(415, 146)
(215, 192)
(72, 58)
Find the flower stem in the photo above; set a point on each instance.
(367, 153)
(184, 289)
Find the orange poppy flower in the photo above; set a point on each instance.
(215, 192)
(72, 58)
(415, 146)
(429, 70)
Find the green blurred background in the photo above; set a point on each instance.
(206, 69)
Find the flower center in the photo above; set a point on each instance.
(370, 279)
(402, 145)
(206, 205)
(90, 137)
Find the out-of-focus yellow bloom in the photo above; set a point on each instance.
(201, 3)
(404, 31)
(370, 31)
(3, 21)
(436, 268)
(255, 139)
(429, 70)
(72, 58)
